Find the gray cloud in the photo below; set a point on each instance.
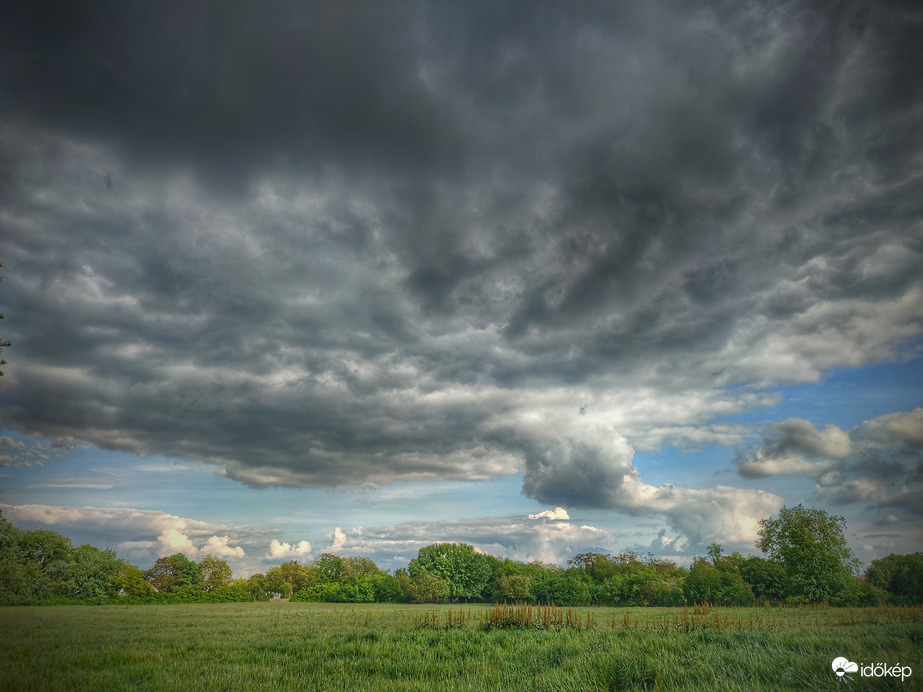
(319, 247)
(798, 447)
(876, 462)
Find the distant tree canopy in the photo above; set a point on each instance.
(806, 560)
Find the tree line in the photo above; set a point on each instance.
(805, 560)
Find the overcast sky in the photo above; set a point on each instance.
(354, 277)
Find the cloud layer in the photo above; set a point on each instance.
(412, 242)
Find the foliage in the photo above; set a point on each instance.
(427, 587)
(859, 592)
(810, 544)
(766, 579)
(899, 575)
(516, 587)
(165, 575)
(292, 572)
(186, 570)
(706, 583)
(213, 573)
(464, 571)
(131, 582)
(88, 573)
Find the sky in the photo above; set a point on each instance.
(544, 277)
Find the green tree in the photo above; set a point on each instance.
(706, 583)
(89, 573)
(515, 587)
(130, 581)
(427, 587)
(402, 577)
(766, 579)
(16, 577)
(213, 573)
(164, 575)
(810, 544)
(566, 588)
(900, 575)
(386, 587)
(465, 571)
(186, 570)
(44, 547)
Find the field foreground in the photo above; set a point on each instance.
(313, 646)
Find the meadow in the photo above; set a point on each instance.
(318, 646)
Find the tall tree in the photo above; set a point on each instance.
(810, 544)
(164, 575)
(214, 572)
(187, 570)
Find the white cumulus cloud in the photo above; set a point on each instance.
(556, 513)
(278, 549)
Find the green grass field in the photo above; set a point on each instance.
(312, 646)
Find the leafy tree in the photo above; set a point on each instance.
(255, 587)
(859, 592)
(465, 571)
(332, 567)
(213, 573)
(427, 587)
(810, 544)
(44, 547)
(17, 577)
(567, 589)
(662, 589)
(899, 575)
(767, 580)
(598, 566)
(164, 575)
(706, 583)
(186, 570)
(515, 587)
(301, 576)
(386, 587)
(89, 573)
(402, 577)
(361, 567)
(132, 582)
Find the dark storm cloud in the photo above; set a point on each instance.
(225, 87)
(328, 244)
